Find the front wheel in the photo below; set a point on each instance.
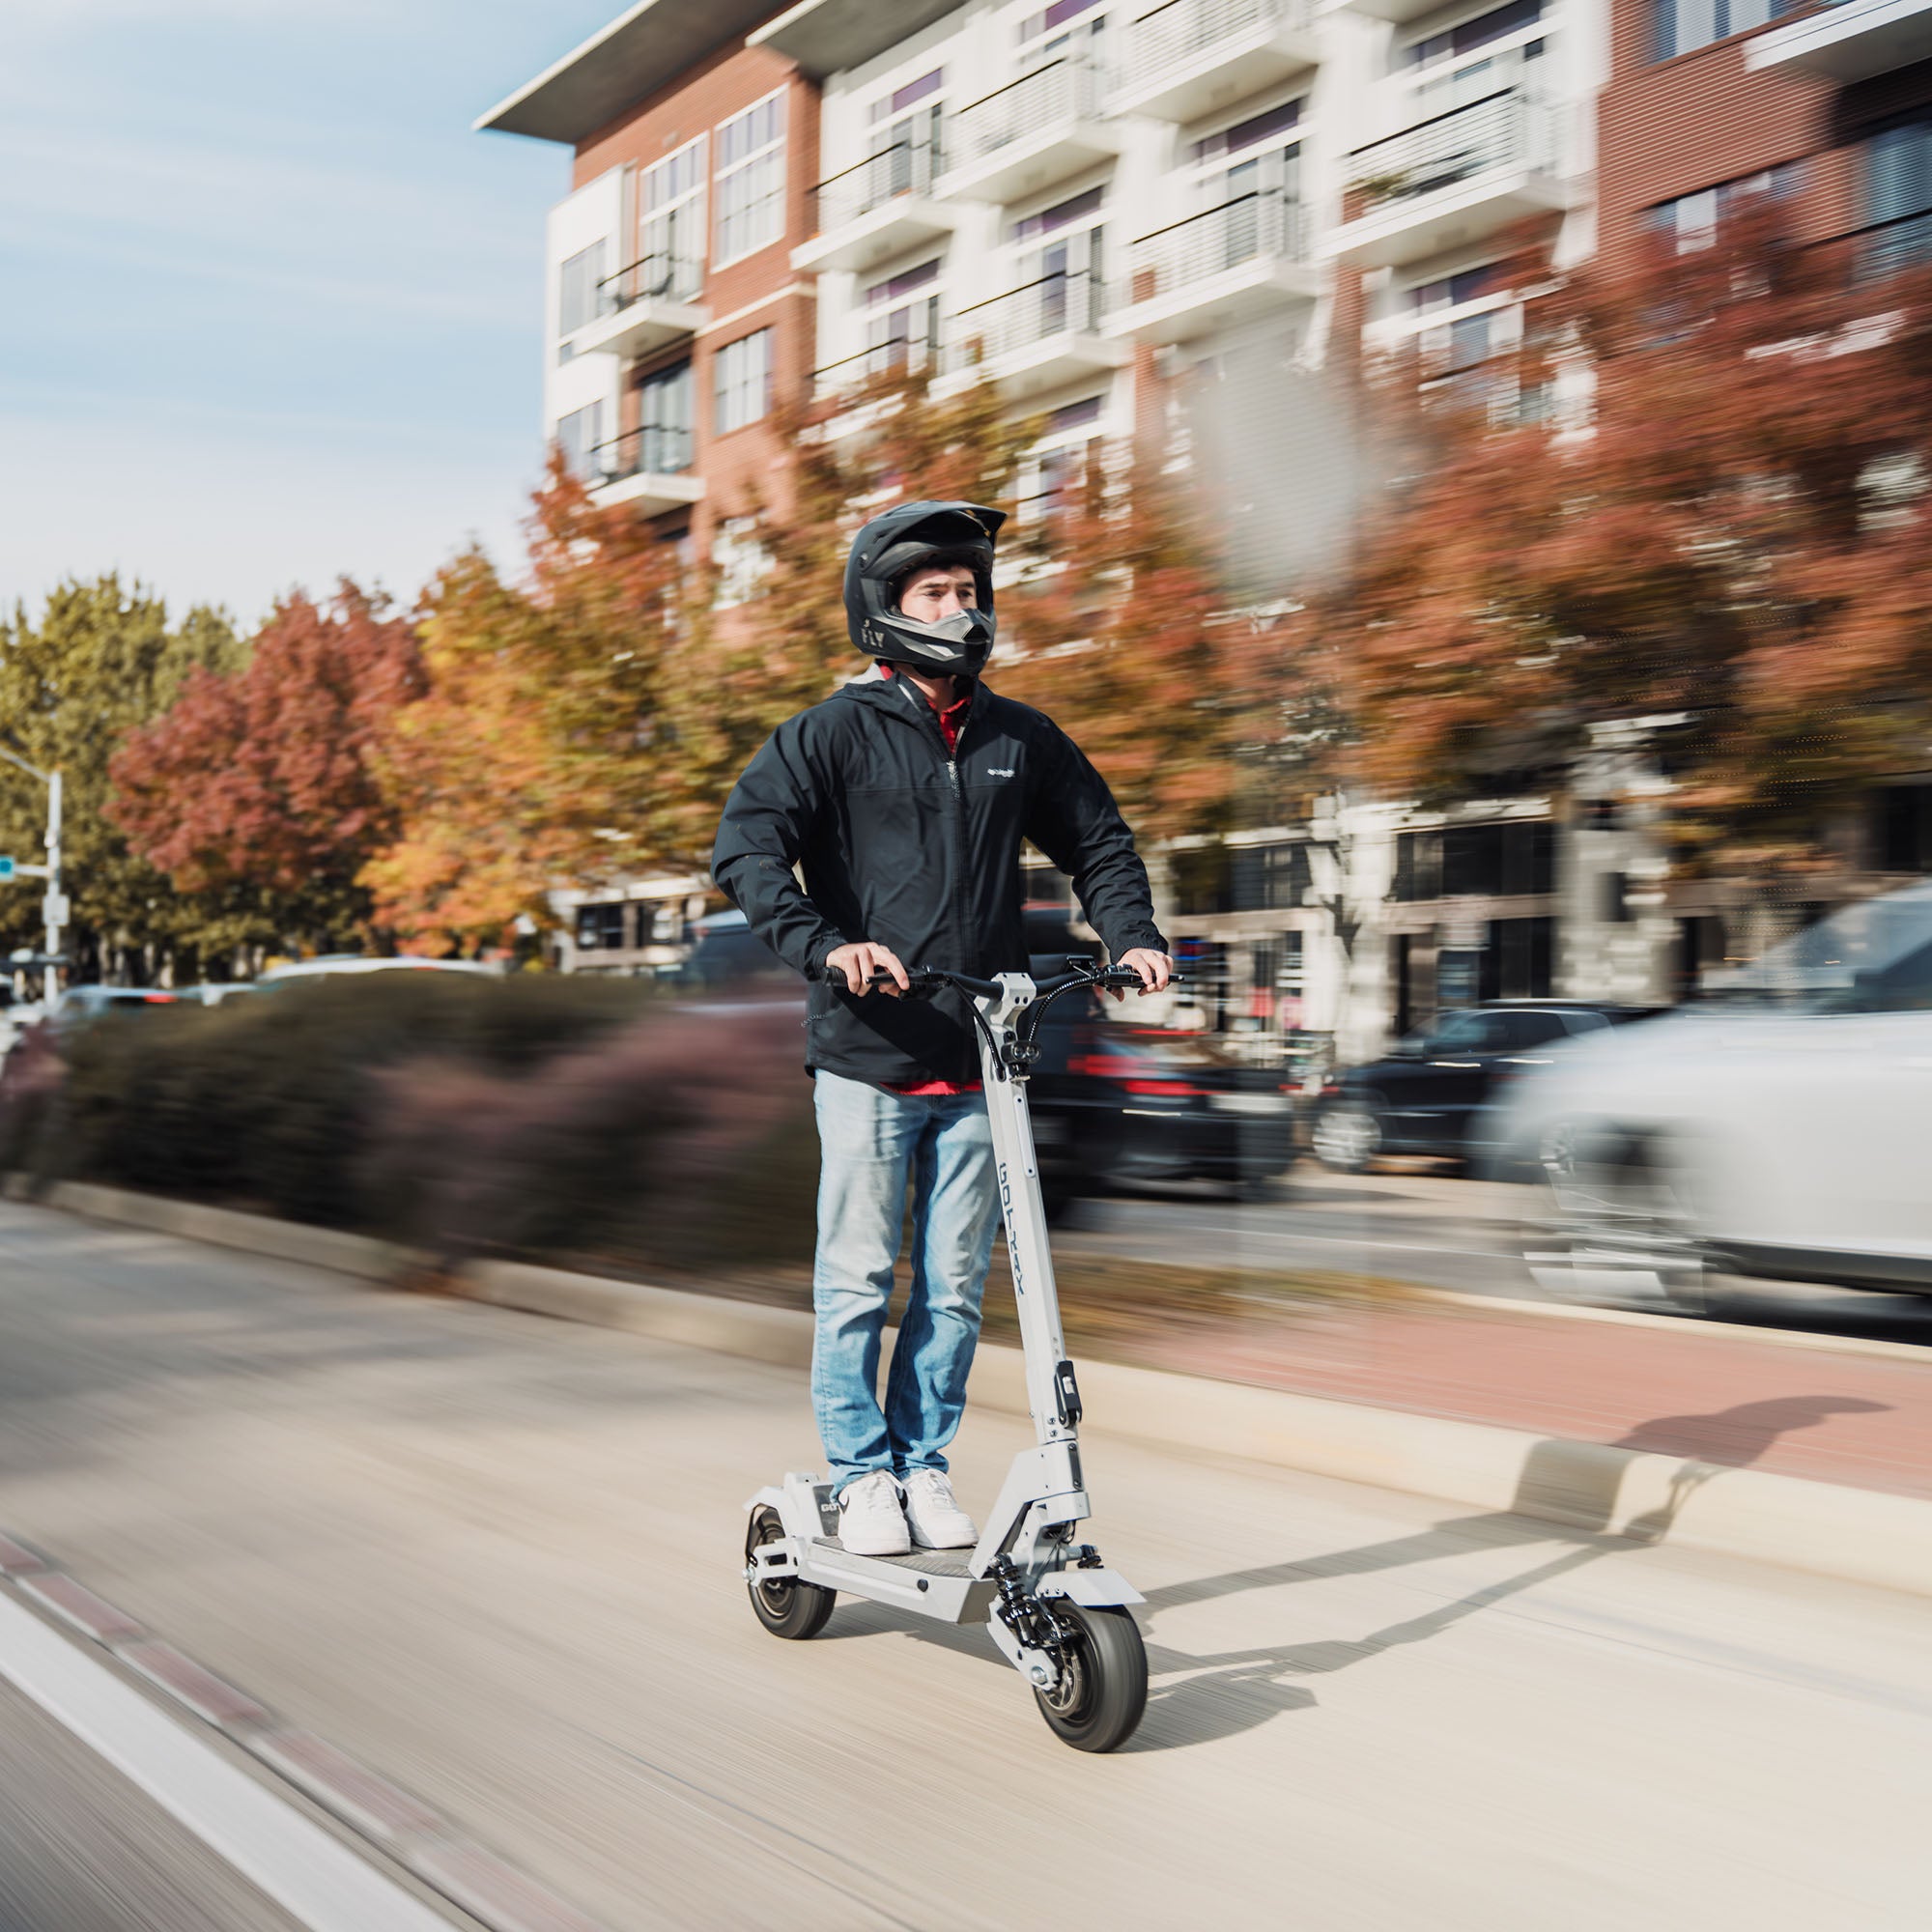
(785, 1606)
(1103, 1679)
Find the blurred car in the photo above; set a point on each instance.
(1430, 1093)
(331, 965)
(78, 1006)
(15, 1019)
(1776, 1127)
(725, 953)
(215, 992)
(1117, 1103)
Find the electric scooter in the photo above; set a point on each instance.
(1057, 1612)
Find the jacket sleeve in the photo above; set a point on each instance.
(767, 821)
(1075, 821)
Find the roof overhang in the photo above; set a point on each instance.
(826, 37)
(647, 46)
(1849, 41)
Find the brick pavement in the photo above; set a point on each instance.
(1835, 1415)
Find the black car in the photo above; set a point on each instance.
(1115, 1104)
(1429, 1095)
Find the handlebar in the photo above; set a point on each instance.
(1080, 973)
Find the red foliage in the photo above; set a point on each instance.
(263, 778)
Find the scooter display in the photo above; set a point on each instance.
(1060, 1617)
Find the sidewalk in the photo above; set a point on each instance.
(1857, 1414)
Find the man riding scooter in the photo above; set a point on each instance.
(902, 801)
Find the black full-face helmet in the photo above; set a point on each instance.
(887, 550)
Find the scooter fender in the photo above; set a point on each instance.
(1092, 1590)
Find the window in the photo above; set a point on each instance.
(744, 380)
(1521, 1030)
(580, 435)
(1692, 220)
(902, 319)
(1060, 263)
(902, 147)
(1056, 15)
(1683, 26)
(576, 288)
(1898, 194)
(1270, 878)
(600, 928)
(750, 180)
(1062, 460)
(1234, 168)
(670, 240)
(665, 414)
(1468, 860)
(740, 561)
(1469, 34)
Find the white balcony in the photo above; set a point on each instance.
(879, 209)
(1849, 41)
(648, 469)
(1450, 181)
(1031, 340)
(644, 308)
(1226, 265)
(1189, 57)
(1038, 131)
(1400, 12)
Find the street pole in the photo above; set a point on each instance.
(54, 905)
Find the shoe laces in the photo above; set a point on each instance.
(937, 1490)
(881, 1490)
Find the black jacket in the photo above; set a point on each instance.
(904, 846)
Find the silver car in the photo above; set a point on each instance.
(1778, 1126)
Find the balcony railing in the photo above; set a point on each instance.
(1037, 312)
(662, 277)
(650, 451)
(1505, 130)
(1063, 90)
(1183, 30)
(1257, 226)
(851, 372)
(1899, 246)
(906, 167)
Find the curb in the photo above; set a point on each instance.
(1863, 1536)
(418, 1838)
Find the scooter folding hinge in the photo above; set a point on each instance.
(1066, 1393)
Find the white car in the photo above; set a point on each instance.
(1778, 1127)
(333, 965)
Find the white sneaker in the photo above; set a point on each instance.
(937, 1520)
(870, 1521)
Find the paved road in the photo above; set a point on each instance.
(1407, 1222)
(496, 1557)
(81, 1850)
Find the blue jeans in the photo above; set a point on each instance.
(871, 1143)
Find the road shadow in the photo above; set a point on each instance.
(1567, 1495)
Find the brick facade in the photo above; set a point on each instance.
(758, 290)
(1675, 126)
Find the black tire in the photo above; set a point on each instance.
(1103, 1692)
(1347, 1135)
(785, 1607)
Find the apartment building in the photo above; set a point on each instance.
(1175, 219)
(673, 319)
(672, 315)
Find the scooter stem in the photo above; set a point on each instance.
(1052, 1394)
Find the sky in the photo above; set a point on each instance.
(270, 311)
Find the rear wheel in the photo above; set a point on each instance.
(1347, 1135)
(785, 1606)
(1103, 1679)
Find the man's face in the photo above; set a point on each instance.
(930, 596)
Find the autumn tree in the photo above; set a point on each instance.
(256, 791)
(536, 752)
(99, 662)
(1730, 535)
